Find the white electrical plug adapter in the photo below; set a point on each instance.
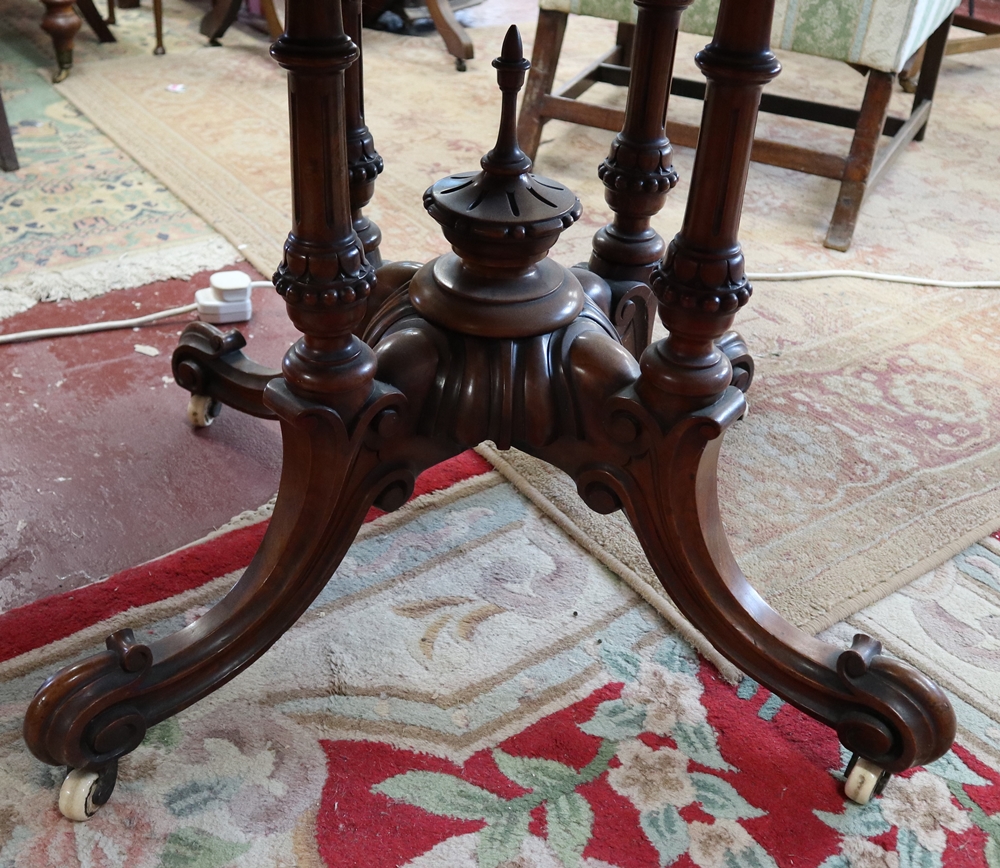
(226, 299)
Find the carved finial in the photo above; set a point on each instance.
(504, 204)
(507, 158)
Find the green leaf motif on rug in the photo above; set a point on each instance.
(864, 821)
(547, 778)
(720, 799)
(500, 841)
(993, 852)
(570, 824)
(440, 793)
(698, 741)
(166, 734)
(621, 663)
(749, 857)
(913, 854)
(570, 819)
(616, 721)
(677, 656)
(667, 832)
(193, 848)
(197, 796)
(951, 768)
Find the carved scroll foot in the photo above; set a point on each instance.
(884, 711)
(94, 712)
(210, 364)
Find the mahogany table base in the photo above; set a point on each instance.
(401, 366)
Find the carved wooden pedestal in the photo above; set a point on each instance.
(401, 366)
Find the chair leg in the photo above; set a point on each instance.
(544, 60)
(8, 156)
(217, 20)
(874, 109)
(274, 25)
(934, 52)
(158, 24)
(456, 39)
(90, 14)
(62, 24)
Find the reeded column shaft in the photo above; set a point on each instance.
(324, 276)
(638, 172)
(701, 282)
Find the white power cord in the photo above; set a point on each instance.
(38, 334)
(874, 275)
(227, 299)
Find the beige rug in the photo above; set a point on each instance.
(871, 453)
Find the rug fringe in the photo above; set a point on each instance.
(97, 277)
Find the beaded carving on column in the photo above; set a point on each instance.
(637, 174)
(324, 276)
(701, 283)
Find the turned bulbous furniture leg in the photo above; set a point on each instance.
(62, 24)
(402, 365)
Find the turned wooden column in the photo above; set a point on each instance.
(638, 172)
(701, 283)
(363, 161)
(324, 276)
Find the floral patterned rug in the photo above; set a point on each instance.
(519, 708)
(80, 217)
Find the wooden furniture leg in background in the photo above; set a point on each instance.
(8, 156)
(401, 368)
(62, 23)
(456, 39)
(990, 37)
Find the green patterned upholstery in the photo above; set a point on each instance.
(881, 34)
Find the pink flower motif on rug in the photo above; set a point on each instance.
(631, 778)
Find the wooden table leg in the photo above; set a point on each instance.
(8, 156)
(494, 341)
(217, 21)
(459, 42)
(61, 23)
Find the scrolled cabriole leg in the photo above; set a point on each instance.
(94, 712)
(210, 364)
(683, 400)
(882, 710)
(341, 436)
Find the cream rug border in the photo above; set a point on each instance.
(161, 151)
(548, 487)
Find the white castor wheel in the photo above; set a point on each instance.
(83, 792)
(202, 410)
(864, 780)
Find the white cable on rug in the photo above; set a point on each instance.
(874, 275)
(39, 334)
(108, 325)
